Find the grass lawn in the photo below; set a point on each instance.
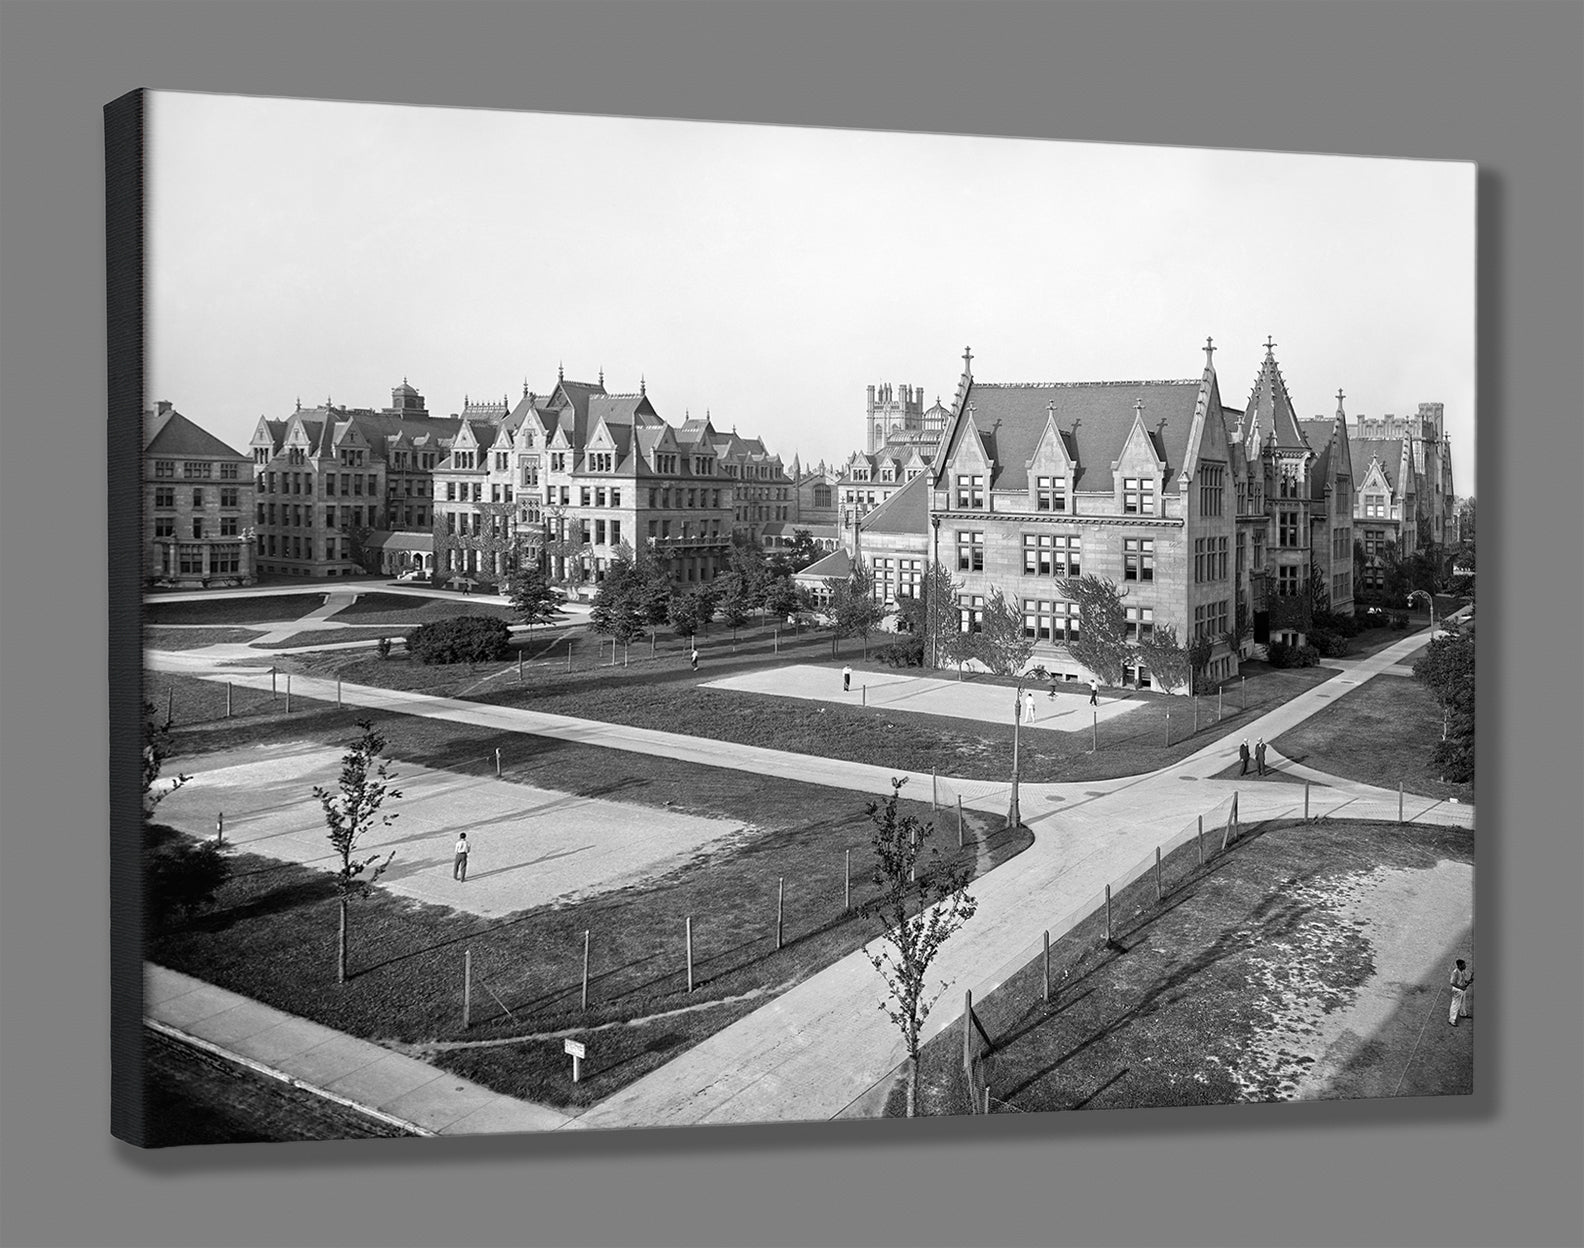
(1383, 731)
(195, 638)
(408, 609)
(663, 693)
(264, 609)
(1178, 1010)
(272, 935)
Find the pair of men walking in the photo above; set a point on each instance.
(1259, 756)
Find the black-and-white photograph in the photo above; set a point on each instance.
(661, 623)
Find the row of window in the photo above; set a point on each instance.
(210, 560)
(1210, 559)
(1057, 554)
(301, 515)
(165, 527)
(352, 483)
(296, 546)
(165, 496)
(196, 470)
(1210, 618)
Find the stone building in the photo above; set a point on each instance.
(197, 505)
(1405, 495)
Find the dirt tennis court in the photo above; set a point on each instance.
(1068, 711)
(531, 846)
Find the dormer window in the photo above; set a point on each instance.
(1375, 506)
(970, 491)
(1050, 493)
(1138, 496)
(602, 461)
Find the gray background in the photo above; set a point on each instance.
(1498, 84)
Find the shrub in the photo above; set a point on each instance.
(461, 639)
(904, 652)
(1399, 622)
(1283, 655)
(1331, 645)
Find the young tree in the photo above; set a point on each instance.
(781, 598)
(179, 873)
(1164, 655)
(1102, 644)
(156, 749)
(1004, 646)
(735, 604)
(923, 901)
(942, 619)
(353, 810)
(689, 613)
(617, 610)
(1448, 670)
(804, 551)
(654, 591)
(534, 598)
(853, 607)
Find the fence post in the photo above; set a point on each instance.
(847, 884)
(288, 693)
(968, 1033)
(775, 640)
(1306, 800)
(1399, 801)
(170, 702)
(959, 822)
(690, 952)
(467, 989)
(1199, 840)
(1094, 743)
(1243, 685)
(934, 790)
(1047, 966)
(228, 699)
(220, 827)
(519, 665)
(865, 698)
(651, 645)
(1108, 914)
(1160, 892)
(780, 907)
(274, 692)
(913, 864)
(569, 652)
(497, 763)
(1219, 691)
(987, 1098)
(1196, 712)
(585, 966)
(1226, 835)
(1168, 727)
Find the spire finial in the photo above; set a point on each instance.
(643, 388)
(561, 370)
(1340, 396)
(1138, 407)
(299, 402)
(1209, 352)
(602, 375)
(968, 359)
(1270, 347)
(525, 387)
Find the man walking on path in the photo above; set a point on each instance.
(1259, 756)
(1243, 756)
(1031, 706)
(693, 658)
(1094, 692)
(1462, 977)
(459, 863)
(846, 680)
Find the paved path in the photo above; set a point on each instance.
(412, 1094)
(824, 1046)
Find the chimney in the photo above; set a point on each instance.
(163, 407)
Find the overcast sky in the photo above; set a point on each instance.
(768, 275)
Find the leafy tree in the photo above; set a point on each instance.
(735, 603)
(618, 609)
(804, 551)
(461, 639)
(1448, 671)
(350, 813)
(1102, 644)
(853, 606)
(654, 592)
(179, 873)
(1319, 594)
(923, 901)
(1004, 646)
(942, 620)
(781, 598)
(690, 612)
(534, 598)
(1165, 656)
(157, 747)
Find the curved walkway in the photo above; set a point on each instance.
(824, 1045)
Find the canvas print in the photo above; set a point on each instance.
(650, 623)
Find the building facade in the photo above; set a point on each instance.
(197, 505)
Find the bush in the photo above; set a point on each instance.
(1398, 622)
(1283, 655)
(1331, 645)
(461, 639)
(905, 652)
(180, 875)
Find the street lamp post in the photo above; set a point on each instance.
(1429, 599)
(1014, 815)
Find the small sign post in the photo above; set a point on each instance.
(577, 1051)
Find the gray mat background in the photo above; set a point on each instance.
(1496, 83)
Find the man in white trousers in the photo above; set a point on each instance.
(1462, 978)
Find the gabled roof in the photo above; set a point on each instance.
(1270, 409)
(1389, 452)
(837, 564)
(906, 511)
(171, 433)
(1094, 418)
(1321, 436)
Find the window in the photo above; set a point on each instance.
(1138, 559)
(164, 468)
(1050, 493)
(615, 533)
(198, 498)
(1375, 506)
(196, 470)
(970, 611)
(1210, 619)
(229, 526)
(1138, 496)
(1287, 581)
(189, 560)
(1288, 480)
(822, 496)
(165, 526)
(502, 461)
(599, 532)
(970, 491)
(1340, 587)
(451, 491)
(1287, 529)
(1064, 621)
(1037, 618)
(970, 552)
(1210, 559)
(557, 461)
(601, 461)
(165, 496)
(615, 498)
(1051, 554)
(1212, 489)
(228, 472)
(225, 559)
(1140, 622)
(230, 496)
(586, 496)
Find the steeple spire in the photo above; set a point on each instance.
(1270, 347)
(968, 360)
(1209, 350)
(643, 389)
(561, 370)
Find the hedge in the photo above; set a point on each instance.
(461, 639)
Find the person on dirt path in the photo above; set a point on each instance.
(1259, 756)
(459, 863)
(1243, 756)
(846, 680)
(1462, 978)
(1094, 692)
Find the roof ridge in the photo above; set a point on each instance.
(1076, 385)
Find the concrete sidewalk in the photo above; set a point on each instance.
(402, 1090)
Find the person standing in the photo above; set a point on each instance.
(846, 680)
(1094, 692)
(459, 863)
(1462, 977)
(1259, 756)
(1243, 757)
(1032, 704)
(693, 658)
